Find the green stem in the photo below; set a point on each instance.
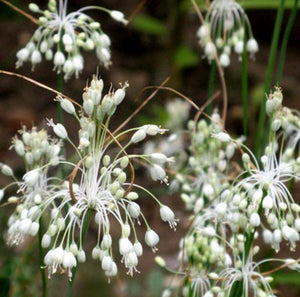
(271, 62)
(238, 287)
(60, 119)
(85, 227)
(41, 259)
(245, 88)
(211, 85)
(285, 40)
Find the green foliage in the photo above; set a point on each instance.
(149, 25)
(185, 57)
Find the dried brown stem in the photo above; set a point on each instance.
(136, 10)
(176, 92)
(19, 10)
(39, 84)
(141, 106)
(279, 268)
(71, 180)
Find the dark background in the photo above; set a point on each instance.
(144, 57)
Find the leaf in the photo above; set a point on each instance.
(148, 25)
(185, 57)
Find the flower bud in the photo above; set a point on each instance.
(33, 7)
(138, 136)
(59, 130)
(160, 261)
(118, 16)
(88, 106)
(132, 196)
(6, 170)
(67, 106)
(119, 96)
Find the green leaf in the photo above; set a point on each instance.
(148, 25)
(185, 57)
(287, 278)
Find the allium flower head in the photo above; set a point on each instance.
(62, 36)
(225, 28)
(101, 186)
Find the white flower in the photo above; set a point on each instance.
(59, 59)
(77, 32)
(252, 46)
(158, 173)
(167, 215)
(151, 239)
(224, 60)
(31, 177)
(226, 25)
(255, 219)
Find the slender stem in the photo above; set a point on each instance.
(41, 259)
(286, 39)
(271, 62)
(85, 227)
(19, 10)
(245, 89)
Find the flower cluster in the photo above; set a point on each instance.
(233, 205)
(40, 152)
(101, 186)
(204, 176)
(61, 37)
(225, 28)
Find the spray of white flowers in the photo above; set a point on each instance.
(101, 186)
(61, 37)
(235, 206)
(226, 28)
